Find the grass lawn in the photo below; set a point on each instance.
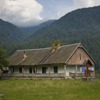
(49, 89)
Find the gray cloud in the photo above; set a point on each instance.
(21, 12)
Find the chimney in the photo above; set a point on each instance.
(58, 45)
(24, 55)
(53, 47)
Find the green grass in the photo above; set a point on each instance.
(49, 89)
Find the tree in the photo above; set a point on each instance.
(3, 61)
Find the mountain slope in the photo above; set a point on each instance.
(80, 21)
(81, 25)
(10, 35)
(31, 30)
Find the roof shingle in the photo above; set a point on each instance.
(42, 56)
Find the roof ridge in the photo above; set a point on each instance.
(34, 49)
(70, 44)
(47, 47)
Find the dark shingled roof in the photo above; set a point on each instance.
(43, 55)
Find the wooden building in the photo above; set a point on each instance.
(53, 62)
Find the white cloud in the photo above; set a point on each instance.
(21, 12)
(75, 4)
(29, 12)
(86, 3)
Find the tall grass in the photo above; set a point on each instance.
(50, 89)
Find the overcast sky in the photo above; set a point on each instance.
(30, 12)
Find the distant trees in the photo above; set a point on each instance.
(3, 61)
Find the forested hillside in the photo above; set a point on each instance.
(11, 36)
(82, 25)
(28, 31)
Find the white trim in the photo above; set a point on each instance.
(65, 71)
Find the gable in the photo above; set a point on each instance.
(79, 57)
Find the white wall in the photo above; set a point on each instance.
(39, 69)
(25, 70)
(61, 69)
(70, 69)
(51, 69)
(73, 69)
(66, 69)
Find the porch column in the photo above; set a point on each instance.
(22, 70)
(65, 71)
(76, 70)
(94, 70)
(49, 70)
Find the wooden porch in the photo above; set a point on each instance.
(73, 75)
(37, 75)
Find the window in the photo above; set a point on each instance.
(30, 69)
(20, 69)
(80, 56)
(55, 69)
(43, 69)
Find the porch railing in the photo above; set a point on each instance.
(76, 74)
(79, 74)
(37, 75)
